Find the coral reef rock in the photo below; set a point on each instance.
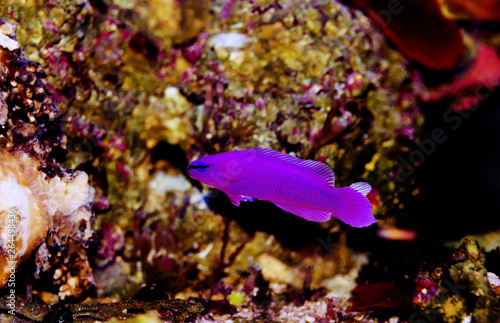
(41, 203)
(29, 116)
(34, 205)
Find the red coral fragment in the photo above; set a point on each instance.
(425, 290)
(379, 296)
(474, 85)
(418, 29)
(374, 197)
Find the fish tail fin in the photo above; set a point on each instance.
(353, 207)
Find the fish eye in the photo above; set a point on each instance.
(200, 167)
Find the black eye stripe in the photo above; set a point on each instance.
(198, 167)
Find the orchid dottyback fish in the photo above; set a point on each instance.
(301, 187)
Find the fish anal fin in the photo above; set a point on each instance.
(235, 199)
(308, 214)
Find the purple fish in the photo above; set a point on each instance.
(302, 187)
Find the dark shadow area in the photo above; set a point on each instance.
(175, 156)
(292, 231)
(459, 180)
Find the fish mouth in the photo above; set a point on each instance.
(191, 172)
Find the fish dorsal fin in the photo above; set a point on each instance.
(318, 170)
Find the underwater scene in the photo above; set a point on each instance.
(250, 161)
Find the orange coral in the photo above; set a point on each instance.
(488, 10)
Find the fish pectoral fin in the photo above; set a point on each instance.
(308, 214)
(235, 199)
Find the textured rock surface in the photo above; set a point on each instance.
(145, 86)
(41, 204)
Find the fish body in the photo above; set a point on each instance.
(301, 187)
